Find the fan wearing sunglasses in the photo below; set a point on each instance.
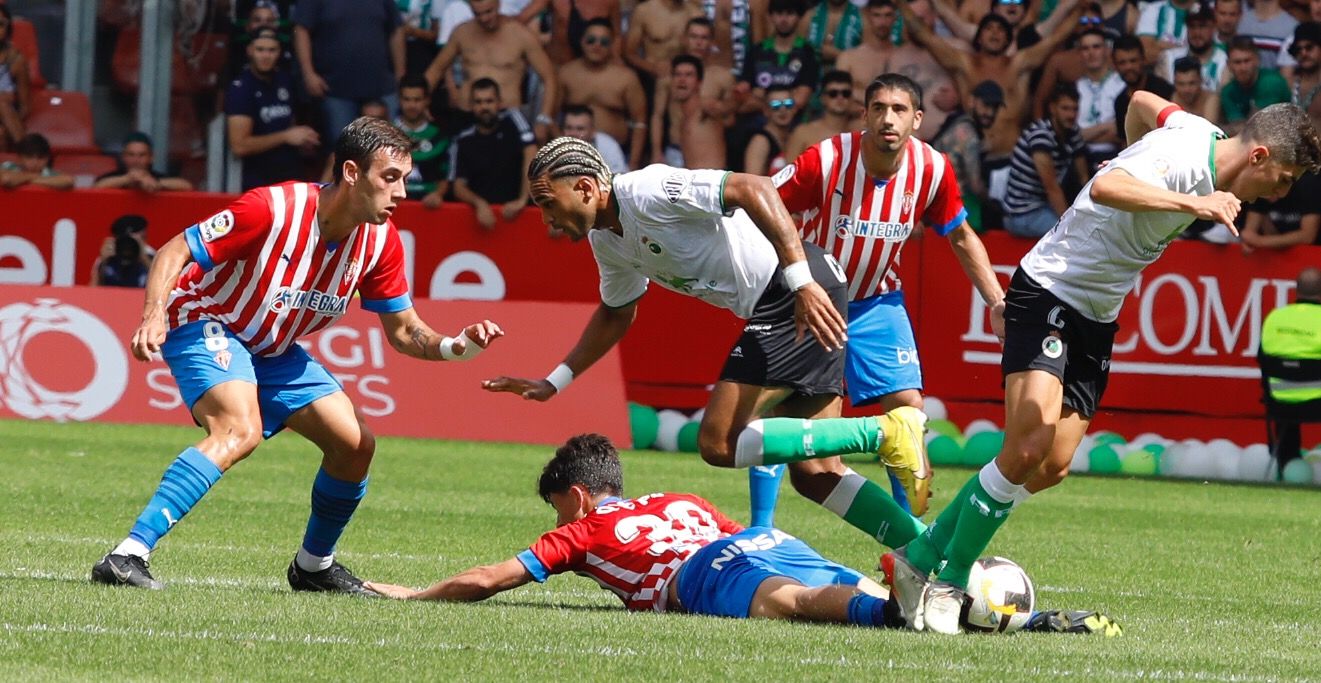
(764, 154)
(836, 117)
(612, 90)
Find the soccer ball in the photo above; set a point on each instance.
(1002, 596)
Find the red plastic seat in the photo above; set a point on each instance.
(65, 118)
(24, 36)
(198, 74)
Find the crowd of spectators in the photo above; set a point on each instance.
(1026, 97)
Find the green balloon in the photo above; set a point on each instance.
(1298, 471)
(982, 447)
(1108, 439)
(1103, 460)
(944, 427)
(644, 424)
(688, 437)
(943, 451)
(1155, 449)
(1141, 462)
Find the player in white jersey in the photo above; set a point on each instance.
(226, 300)
(1062, 304)
(727, 239)
(861, 195)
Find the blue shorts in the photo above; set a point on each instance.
(205, 353)
(720, 579)
(882, 356)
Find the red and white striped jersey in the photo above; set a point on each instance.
(863, 221)
(631, 547)
(261, 268)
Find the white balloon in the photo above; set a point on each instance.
(667, 433)
(1144, 439)
(979, 426)
(1226, 454)
(934, 408)
(697, 416)
(1316, 470)
(1255, 463)
(1082, 456)
(1171, 461)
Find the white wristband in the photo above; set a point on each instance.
(797, 275)
(470, 348)
(560, 378)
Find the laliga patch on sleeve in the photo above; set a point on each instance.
(784, 175)
(216, 226)
(675, 184)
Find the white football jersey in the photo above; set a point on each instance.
(1091, 259)
(678, 233)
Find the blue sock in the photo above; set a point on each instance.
(333, 503)
(764, 490)
(184, 483)
(867, 610)
(899, 494)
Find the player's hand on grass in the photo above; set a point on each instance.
(814, 312)
(1219, 207)
(149, 336)
(530, 389)
(389, 590)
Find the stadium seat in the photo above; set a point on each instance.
(85, 168)
(24, 36)
(197, 74)
(65, 118)
(1287, 415)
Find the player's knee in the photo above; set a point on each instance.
(714, 446)
(237, 438)
(1028, 448)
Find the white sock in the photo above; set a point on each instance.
(749, 449)
(1022, 496)
(841, 498)
(313, 563)
(132, 546)
(996, 485)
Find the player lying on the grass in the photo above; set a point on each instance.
(226, 300)
(726, 238)
(1062, 304)
(675, 552)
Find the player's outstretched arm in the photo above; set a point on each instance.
(976, 264)
(1120, 190)
(813, 310)
(605, 329)
(1143, 114)
(170, 260)
(478, 583)
(412, 337)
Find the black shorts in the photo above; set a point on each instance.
(766, 354)
(1044, 333)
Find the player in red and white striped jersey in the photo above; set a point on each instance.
(862, 194)
(243, 285)
(666, 552)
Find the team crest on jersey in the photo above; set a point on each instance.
(652, 246)
(906, 205)
(351, 271)
(1161, 166)
(216, 226)
(784, 175)
(223, 358)
(674, 185)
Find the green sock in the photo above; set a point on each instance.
(792, 439)
(865, 505)
(927, 551)
(980, 516)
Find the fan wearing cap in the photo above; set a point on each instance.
(1285, 61)
(1304, 75)
(1201, 44)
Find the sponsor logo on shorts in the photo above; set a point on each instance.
(288, 299)
(1055, 317)
(737, 352)
(890, 231)
(216, 226)
(1052, 347)
(758, 328)
(223, 358)
(906, 356)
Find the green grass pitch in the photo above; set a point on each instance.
(1211, 582)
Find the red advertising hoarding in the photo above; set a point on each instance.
(64, 355)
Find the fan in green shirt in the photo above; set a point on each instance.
(1251, 87)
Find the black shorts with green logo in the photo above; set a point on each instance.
(766, 354)
(1044, 333)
